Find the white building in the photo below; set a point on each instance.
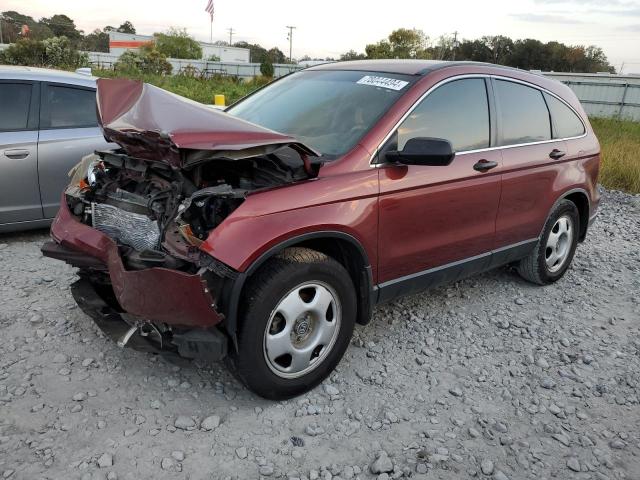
(121, 42)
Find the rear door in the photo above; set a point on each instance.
(68, 131)
(532, 159)
(19, 194)
(435, 217)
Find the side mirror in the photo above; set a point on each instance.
(435, 152)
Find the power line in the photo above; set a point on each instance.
(455, 43)
(290, 38)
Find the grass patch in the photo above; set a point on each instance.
(620, 144)
(199, 89)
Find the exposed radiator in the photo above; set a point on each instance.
(133, 229)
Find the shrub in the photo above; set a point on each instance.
(195, 88)
(266, 69)
(177, 43)
(189, 71)
(54, 52)
(59, 53)
(155, 62)
(129, 61)
(24, 52)
(213, 58)
(148, 60)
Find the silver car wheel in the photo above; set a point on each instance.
(559, 243)
(302, 330)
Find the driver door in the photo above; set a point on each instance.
(437, 223)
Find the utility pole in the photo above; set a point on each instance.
(455, 43)
(290, 38)
(230, 30)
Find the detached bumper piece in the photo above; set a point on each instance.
(205, 345)
(156, 294)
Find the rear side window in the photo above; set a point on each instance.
(565, 122)
(458, 111)
(68, 107)
(15, 99)
(524, 116)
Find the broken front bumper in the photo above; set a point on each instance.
(158, 295)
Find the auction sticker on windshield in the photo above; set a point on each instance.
(390, 83)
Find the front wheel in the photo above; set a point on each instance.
(298, 317)
(555, 248)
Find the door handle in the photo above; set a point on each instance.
(556, 154)
(484, 165)
(16, 154)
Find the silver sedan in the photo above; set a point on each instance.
(48, 123)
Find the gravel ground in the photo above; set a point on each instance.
(488, 378)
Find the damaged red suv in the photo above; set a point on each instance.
(264, 234)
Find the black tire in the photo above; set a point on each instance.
(534, 268)
(276, 279)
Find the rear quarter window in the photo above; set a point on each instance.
(69, 107)
(15, 99)
(524, 117)
(565, 123)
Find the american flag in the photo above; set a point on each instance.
(210, 8)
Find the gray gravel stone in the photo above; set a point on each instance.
(487, 467)
(210, 423)
(382, 463)
(573, 464)
(241, 452)
(184, 423)
(105, 460)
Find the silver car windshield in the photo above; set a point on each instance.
(328, 110)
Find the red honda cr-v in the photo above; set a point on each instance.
(266, 232)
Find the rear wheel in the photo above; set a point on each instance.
(298, 317)
(555, 248)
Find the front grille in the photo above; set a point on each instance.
(133, 229)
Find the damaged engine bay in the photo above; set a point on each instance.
(158, 214)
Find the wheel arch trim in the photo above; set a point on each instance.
(231, 321)
(564, 196)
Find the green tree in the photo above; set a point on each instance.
(352, 55)
(276, 56)
(596, 60)
(474, 50)
(500, 47)
(96, 41)
(176, 43)
(127, 27)
(528, 54)
(382, 49)
(401, 43)
(11, 23)
(62, 26)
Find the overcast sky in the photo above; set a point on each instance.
(331, 27)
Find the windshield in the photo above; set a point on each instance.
(327, 110)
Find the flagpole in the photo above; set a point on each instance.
(211, 29)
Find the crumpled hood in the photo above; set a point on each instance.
(153, 124)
